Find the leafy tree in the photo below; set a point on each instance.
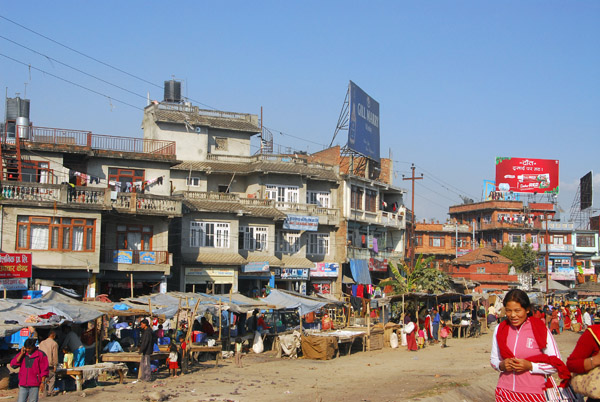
(423, 278)
(523, 258)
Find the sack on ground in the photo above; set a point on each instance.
(394, 340)
(257, 346)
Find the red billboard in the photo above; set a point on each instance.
(15, 265)
(523, 175)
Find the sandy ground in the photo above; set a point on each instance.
(460, 372)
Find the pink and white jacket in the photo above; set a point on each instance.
(523, 345)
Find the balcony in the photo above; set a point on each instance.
(327, 216)
(361, 253)
(76, 140)
(382, 218)
(136, 257)
(557, 248)
(87, 198)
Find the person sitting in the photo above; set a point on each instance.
(206, 327)
(113, 346)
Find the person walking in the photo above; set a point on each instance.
(435, 324)
(146, 349)
(524, 352)
(587, 319)
(33, 371)
(50, 349)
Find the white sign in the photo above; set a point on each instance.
(13, 284)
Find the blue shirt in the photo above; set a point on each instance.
(436, 318)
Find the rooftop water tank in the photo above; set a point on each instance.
(17, 107)
(172, 91)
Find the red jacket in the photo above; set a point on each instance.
(586, 347)
(33, 368)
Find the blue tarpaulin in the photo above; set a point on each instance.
(360, 271)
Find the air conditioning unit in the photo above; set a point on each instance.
(201, 130)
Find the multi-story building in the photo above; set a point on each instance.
(249, 220)
(93, 210)
(444, 241)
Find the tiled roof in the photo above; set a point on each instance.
(221, 258)
(195, 119)
(233, 207)
(296, 262)
(480, 255)
(258, 166)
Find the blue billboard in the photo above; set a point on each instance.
(363, 131)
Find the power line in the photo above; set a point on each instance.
(444, 183)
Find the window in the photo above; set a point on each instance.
(126, 180)
(193, 181)
(283, 193)
(36, 172)
(288, 242)
(481, 270)
(436, 241)
(559, 239)
(57, 234)
(253, 238)
(209, 234)
(220, 144)
(134, 237)
(418, 240)
(586, 240)
(356, 199)
(516, 238)
(318, 243)
(371, 201)
(319, 198)
(223, 188)
(463, 241)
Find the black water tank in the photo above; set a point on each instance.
(172, 91)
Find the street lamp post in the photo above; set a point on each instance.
(546, 240)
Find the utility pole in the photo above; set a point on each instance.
(412, 208)
(547, 240)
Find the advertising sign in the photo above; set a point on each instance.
(325, 270)
(123, 256)
(299, 274)
(563, 274)
(13, 284)
(301, 222)
(15, 265)
(378, 265)
(586, 194)
(148, 257)
(262, 266)
(585, 267)
(322, 287)
(363, 130)
(522, 175)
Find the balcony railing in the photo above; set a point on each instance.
(557, 248)
(380, 217)
(136, 257)
(89, 196)
(88, 140)
(312, 209)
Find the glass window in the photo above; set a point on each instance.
(126, 180)
(320, 198)
(253, 238)
(130, 237)
(288, 242)
(318, 243)
(209, 234)
(58, 234)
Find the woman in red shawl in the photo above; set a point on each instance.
(567, 314)
(410, 329)
(578, 316)
(554, 327)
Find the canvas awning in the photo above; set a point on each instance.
(291, 300)
(360, 271)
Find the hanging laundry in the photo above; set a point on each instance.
(160, 180)
(354, 290)
(94, 179)
(128, 187)
(375, 246)
(360, 291)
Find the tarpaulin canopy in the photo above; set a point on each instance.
(360, 271)
(290, 300)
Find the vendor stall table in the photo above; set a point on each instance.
(345, 337)
(197, 347)
(84, 373)
(131, 357)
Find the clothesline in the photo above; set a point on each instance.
(139, 185)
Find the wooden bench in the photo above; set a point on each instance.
(199, 348)
(77, 374)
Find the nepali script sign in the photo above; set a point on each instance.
(325, 270)
(15, 265)
(14, 284)
(301, 222)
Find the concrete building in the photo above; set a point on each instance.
(93, 210)
(444, 241)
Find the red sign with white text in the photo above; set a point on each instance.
(15, 265)
(523, 175)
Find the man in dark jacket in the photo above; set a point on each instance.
(146, 349)
(33, 371)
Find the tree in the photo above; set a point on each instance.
(423, 278)
(523, 258)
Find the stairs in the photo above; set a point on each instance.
(10, 154)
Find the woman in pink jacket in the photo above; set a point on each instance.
(524, 352)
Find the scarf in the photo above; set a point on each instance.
(540, 333)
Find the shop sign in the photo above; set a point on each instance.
(584, 267)
(300, 274)
(262, 266)
(301, 222)
(322, 287)
(325, 270)
(147, 257)
(15, 265)
(563, 274)
(13, 284)
(378, 265)
(123, 256)
(209, 272)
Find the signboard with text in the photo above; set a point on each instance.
(15, 265)
(262, 266)
(148, 257)
(13, 284)
(523, 175)
(301, 222)
(363, 129)
(123, 256)
(378, 265)
(325, 270)
(300, 274)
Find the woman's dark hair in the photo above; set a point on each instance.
(173, 347)
(30, 343)
(66, 349)
(519, 296)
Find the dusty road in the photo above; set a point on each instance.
(460, 372)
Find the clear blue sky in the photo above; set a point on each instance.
(458, 82)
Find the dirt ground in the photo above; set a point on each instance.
(458, 373)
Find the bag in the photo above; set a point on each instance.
(557, 394)
(257, 346)
(410, 327)
(588, 384)
(394, 340)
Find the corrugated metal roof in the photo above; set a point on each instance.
(194, 119)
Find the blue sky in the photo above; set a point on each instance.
(458, 82)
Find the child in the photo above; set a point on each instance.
(68, 359)
(238, 351)
(173, 365)
(184, 358)
(160, 332)
(444, 333)
(421, 340)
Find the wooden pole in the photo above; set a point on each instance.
(368, 325)
(189, 332)
(96, 331)
(131, 283)
(177, 320)
(220, 319)
(150, 307)
(5, 293)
